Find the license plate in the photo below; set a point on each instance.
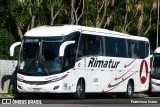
(36, 89)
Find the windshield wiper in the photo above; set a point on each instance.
(44, 69)
(41, 59)
(37, 64)
(37, 61)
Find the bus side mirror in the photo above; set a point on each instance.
(63, 46)
(12, 47)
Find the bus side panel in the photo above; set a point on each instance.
(108, 83)
(78, 73)
(130, 72)
(114, 78)
(144, 73)
(91, 75)
(139, 73)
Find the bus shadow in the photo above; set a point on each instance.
(53, 96)
(156, 94)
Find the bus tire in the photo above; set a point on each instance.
(80, 90)
(130, 90)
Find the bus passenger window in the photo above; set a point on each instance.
(129, 49)
(136, 50)
(146, 49)
(121, 47)
(132, 49)
(90, 45)
(111, 46)
(142, 49)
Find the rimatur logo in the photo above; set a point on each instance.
(96, 63)
(143, 66)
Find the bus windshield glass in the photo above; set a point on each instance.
(156, 67)
(40, 56)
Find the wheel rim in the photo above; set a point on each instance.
(79, 89)
(129, 90)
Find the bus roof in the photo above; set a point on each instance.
(47, 31)
(157, 50)
(50, 31)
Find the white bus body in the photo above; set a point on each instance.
(78, 59)
(155, 71)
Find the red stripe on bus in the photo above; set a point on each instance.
(117, 78)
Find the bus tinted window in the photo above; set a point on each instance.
(128, 48)
(133, 49)
(142, 49)
(121, 47)
(73, 37)
(90, 45)
(137, 49)
(115, 47)
(147, 49)
(111, 46)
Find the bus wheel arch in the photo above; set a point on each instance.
(130, 89)
(80, 89)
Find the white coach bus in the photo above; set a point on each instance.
(155, 71)
(78, 59)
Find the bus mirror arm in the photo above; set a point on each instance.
(63, 46)
(12, 47)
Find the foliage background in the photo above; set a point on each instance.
(134, 17)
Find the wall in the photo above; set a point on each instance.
(7, 69)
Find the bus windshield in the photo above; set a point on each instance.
(156, 67)
(40, 56)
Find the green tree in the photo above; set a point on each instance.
(18, 11)
(55, 7)
(26, 14)
(77, 11)
(6, 38)
(135, 17)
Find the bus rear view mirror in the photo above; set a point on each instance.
(63, 46)
(12, 48)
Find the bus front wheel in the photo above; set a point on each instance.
(80, 90)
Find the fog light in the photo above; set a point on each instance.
(56, 87)
(19, 87)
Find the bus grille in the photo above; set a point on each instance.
(36, 82)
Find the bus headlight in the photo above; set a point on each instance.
(59, 78)
(19, 79)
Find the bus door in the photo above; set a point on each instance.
(94, 78)
(69, 59)
(90, 47)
